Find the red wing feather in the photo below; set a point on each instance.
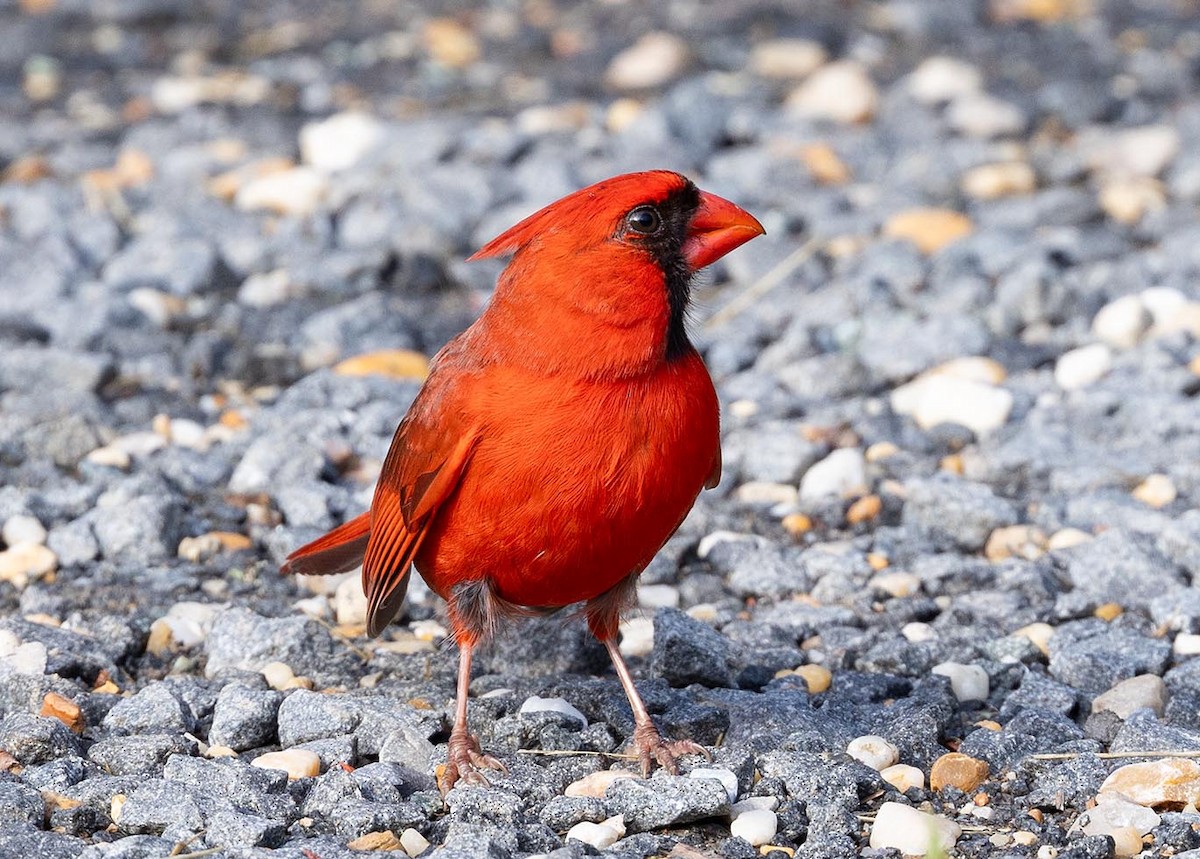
(339, 551)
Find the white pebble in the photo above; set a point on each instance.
(1123, 821)
(757, 826)
(350, 603)
(875, 752)
(413, 842)
(599, 835)
(1122, 322)
(841, 91)
(1083, 366)
(637, 636)
(535, 704)
(23, 529)
(968, 682)
(658, 596)
(912, 832)
(296, 191)
(340, 141)
(596, 784)
(297, 763)
(725, 776)
(653, 60)
(1165, 303)
(277, 674)
(942, 79)
(28, 659)
(1187, 644)
(916, 632)
(938, 398)
(752, 802)
(710, 541)
(841, 473)
(903, 776)
(984, 116)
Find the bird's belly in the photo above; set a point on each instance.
(560, 506)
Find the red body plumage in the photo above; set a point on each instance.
(561, 439)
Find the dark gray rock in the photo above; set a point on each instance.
(20, 805)
(952, 512)
(244, 718)
(233, 829)
(305, 716)
(1121, 567)
(665, 801)
(140, 754)
(1094, 658)
(689, 651)
(36, 739)
(241, 640)
(154, 709)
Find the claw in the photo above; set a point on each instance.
(464, 761)
(651, 748)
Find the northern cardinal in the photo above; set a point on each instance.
(557, 442)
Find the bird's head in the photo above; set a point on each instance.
(620, 255)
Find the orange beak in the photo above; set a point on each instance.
(717, 228)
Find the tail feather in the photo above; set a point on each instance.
(339, 551)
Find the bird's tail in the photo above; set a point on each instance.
(339, 551)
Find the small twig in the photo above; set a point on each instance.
(568, 752)
(1105, 756)
(775, 276)
(180, 846)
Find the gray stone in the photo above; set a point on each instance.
(20, 805)
(305, 716)
(233, 829)
(1119, 567)
(154, 709)
(665, 801)
(244, 718)
(953, 512)
(688, 651)
(36, 739)
(1094, 658)
(140, 754)
(241, 640)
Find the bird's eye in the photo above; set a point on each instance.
(644, 220)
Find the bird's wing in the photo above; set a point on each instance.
(429, 452)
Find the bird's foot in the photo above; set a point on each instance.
(464, 761)
(651, 748)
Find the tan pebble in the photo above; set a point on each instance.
(864, 509)
(1039, 634)
(989, 725)
(297, 763)
(296, 191)
(817, 678)
(220, 752)
(824, 165)
(994, 181)
(764, 492)
(877, 561)
(621, 114)
(955, 769)
(277, 674)
(107, 688)
(1129, 199)
(655, 59)
(428, 630)
(198, 549)
(64, 709)
(115, 806)
(26, 561)
(903, 777)
(841, 91)
(786, 58)
(1067, 538)
(768, 849)
(1028, 839)
(1155, 783)
(929, 229)
(27, 169)
(385, 840)
(1110, 611)
(797, 524)
(880, 451)
(1194, 366)
(450, 43)
(1038, 11)
(393, 363)
(952, 464)
(298, 683)
(1156, 491)
(161, 640)
(596, 784)
(1015, 541)
(898, 584)
(972, 368)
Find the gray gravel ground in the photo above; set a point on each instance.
(937, 553)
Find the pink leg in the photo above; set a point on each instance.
(647, 740)
(465, 757)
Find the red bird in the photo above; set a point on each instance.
(560, 440)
